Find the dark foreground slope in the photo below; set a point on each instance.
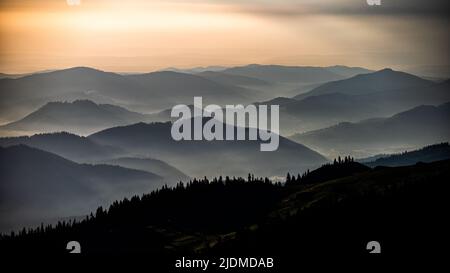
(401, 208)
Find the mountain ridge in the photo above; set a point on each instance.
(230, 157)
(415, 128)
(426, 154)
(83, 116)
(70, 146)
(381, 80)
(64, 187)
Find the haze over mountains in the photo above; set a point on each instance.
(70, 146)
(143, 92)
(438, 72)
(84, 150)
(379, 81)
(427, 154)
(23, 167)
(329, 111)
(289, 81)
(295, 74)
(168, 88)
(37, 185)
(371, 94)
(411, 129)
(81, 116)
(199, 69)
(142, 142)
(156, 91)
(233, 79)
(379, 94)
(159, 167)
(209, 158)
(346, 98)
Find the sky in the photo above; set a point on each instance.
(141, 36)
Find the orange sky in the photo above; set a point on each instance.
(142, 35)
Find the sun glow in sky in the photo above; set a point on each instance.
(149, 35)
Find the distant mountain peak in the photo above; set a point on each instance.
(75, 103)
(378, 81)
(85, 102)
(82, 68)
(79, 116)
(78, 101)
(85, 70)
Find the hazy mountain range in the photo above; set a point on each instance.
(432, 71)
(169, 173)
(289, 81)
(379, 94)
(70, 146)
(156, 91)
(144, 92)
(84, 150)
(295, 74)
(197, 159)
(372, 94)
(427, 154)
(411, 129)
(67, 188)
(38, 185)
(193, 70)
(379, 81)
(120, 123)
(80, 116)
(234, 79)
